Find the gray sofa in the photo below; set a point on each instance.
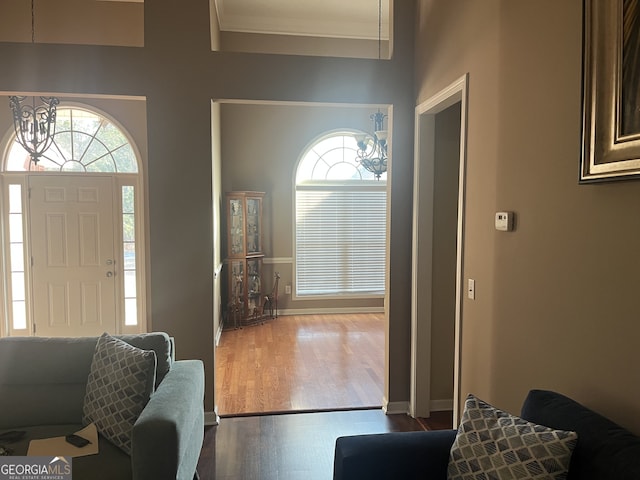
(42, 389)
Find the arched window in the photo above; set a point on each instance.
(340, 228)
(83, 142)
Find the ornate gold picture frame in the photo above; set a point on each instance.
(611, 89)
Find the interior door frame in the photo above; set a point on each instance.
(422, 246)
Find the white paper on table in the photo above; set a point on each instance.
(58, 446)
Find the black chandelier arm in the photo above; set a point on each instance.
(374, 148)
(382, 145)
(378, 120)
(368, 147)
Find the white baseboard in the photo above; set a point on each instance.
(313, 311)
(395, 408)
(218, 334)
(320, 311)
(441, 405)
(211, 419)
(392, 408)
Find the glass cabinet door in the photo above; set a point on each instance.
(236, 227)
(237, 284)
(254, 234)
(254, 285)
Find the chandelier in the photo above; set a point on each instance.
(35, 125)
(372, 148)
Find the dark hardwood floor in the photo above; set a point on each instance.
(288, 446)
(442, 420)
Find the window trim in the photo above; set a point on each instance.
(332, 185)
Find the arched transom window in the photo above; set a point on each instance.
(84, 142)
(340, 222)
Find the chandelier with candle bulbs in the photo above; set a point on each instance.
(34, 124)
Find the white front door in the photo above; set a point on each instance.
(73, 255)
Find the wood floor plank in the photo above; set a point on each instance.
(287, 447)
(301, 363)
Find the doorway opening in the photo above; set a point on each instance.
(307, 125)
(438, 231)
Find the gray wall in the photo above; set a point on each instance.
(179, 75)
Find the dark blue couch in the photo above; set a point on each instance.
(605, 451)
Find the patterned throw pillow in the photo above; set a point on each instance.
(119, 386)
(494, 445)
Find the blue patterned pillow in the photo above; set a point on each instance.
(120, 383)
(494, 445)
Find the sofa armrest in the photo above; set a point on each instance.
(604, 448)
(405, 455)
(168, 435)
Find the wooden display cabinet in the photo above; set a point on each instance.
(245, 296)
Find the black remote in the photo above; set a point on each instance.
(77, 440)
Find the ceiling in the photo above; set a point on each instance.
(325, 18)
(356, 19)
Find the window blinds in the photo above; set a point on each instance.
(340, 240)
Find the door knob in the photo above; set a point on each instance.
(109, 274)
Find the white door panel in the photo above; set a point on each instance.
(72, 246)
